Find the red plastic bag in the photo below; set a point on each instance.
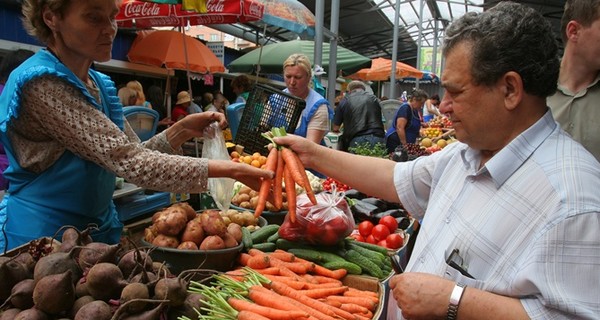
(326, 223)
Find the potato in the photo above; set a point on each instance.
(171, 221)
(244, 190)
(244, 197)
(253, 193)
(187, 245)
(212, 243)
(213, 223)
(227, 220)
(162, 240)
(270, 207)
(189, 211)
(248, 219)
(193, 232)
(235, 230)
(229, 240)
(236, 200)
(246, 205)
(253, 203)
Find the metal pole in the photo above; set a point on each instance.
(318, 50)
(435, 47)
(419, 39)
(332, 71)
(395, 51)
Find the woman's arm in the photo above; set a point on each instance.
(400, 131)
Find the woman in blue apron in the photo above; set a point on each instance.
(66, 139)
(407, 121)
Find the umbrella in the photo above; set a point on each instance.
(142, 14)
(381, 70)
(174, 50)
(273, 55)
(290, 15)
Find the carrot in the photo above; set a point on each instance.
(332, 303)
(255, 252)
(353, 292)
(323, 279)
(290, 191)
(249, 315)
(323, 292)
(296, 267)
(335, 274)
(298, 172)
(313, 303)
(298, 285)
(297, 304)
(259, 262)
(309, 278)
(271, 313)
(322, 285)
(243, 258)
(354, 308)
(277, 183)
(283, 255)
(270, 270)
(265, 185)
(367, 303)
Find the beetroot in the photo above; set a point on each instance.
(21, 295)
(55, 293)
(56, 263)
(9, 314)
(72, 237)
(172, 289)
(80, 302)
(153, 314)
(11, 272)
(190, 308)
(133, 261)
(105, 281)
(136, 293)
(97, 310)
(31, 314)
(96, 252)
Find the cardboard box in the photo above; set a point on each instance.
(369, 284)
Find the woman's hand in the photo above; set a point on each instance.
(246, 174)
(192, 126)
(304, 148)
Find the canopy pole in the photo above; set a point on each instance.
(333, 42)
(187, 63)
(419, 45)
(318, 49)
(395, 51)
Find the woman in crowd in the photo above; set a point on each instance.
(180, 110)
(141, 97)
(241, 86)
(316, 117)
(127, 96)
(407, 123)
(67, 139)
(157, 100)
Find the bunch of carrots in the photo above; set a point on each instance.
(288, 169)
(271, 293)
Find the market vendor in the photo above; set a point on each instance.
(511, 212)
(66, 137)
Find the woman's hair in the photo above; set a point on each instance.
(508, 37)
(33, 22)
(137, 86)
(243, 82)
(418, 94)
(300, 60)
(156, 97)
(125, 95)
(12, 60)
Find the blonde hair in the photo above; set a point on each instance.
(33, 21)
(125, 95)
(137, 86)
(300, 60)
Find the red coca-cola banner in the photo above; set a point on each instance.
(141, 14)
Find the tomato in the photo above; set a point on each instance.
(365, 227)
(390, 222)
(371, 239)
(358, 237)
(382, 243)
(380, 232)
(394, 241)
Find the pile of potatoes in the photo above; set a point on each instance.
(248, 199)
(180, 227)
(77, 278)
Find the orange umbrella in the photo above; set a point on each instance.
(174, 50)
(381, 70)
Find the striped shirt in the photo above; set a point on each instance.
(527, 223)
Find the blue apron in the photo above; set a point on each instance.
(72, 191)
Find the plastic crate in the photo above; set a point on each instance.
(266, 108)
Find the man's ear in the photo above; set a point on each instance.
(512, 85)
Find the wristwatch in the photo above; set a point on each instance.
(455, 297)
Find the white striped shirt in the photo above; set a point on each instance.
(527, 223)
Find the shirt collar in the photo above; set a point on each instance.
(568, 92)
(510, 158)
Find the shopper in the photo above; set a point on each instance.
(406, 126)
(575, 103)
(67, 139)
(516, 198)
(317, 115)
(241, 86)
(360, 114)
(141, 97)
(180, 111)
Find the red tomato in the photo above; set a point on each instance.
(380, 232)
(365, 228)
(371, 239)
(394, 241)
(390, 222)
(382, 243)
(358, 237)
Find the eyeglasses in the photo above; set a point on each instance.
(456, 262)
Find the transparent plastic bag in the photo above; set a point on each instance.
(221, 189)
(326, 223)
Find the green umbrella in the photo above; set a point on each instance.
(273, 55)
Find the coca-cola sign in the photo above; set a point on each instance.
(256, 9)
(215, 6)
(141, 9)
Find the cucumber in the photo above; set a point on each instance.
(261, 235)
(332, 257)
(273, 238)
(246, 238)
(265, 246)
(286, 245)
(370, 246)
(352, 268)
(367, 265)
(374, 256)
(307, 254)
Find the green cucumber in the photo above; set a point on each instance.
(286, 245)
(261, 235)
(246, 238)
(352, 268)
(370, 246)
(306, 254)
(367, 265)
(374, 256)
(265, 246)
(273, 238)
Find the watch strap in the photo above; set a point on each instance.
(455, 298)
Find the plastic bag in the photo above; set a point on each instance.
(326, 223)
(221, 189)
